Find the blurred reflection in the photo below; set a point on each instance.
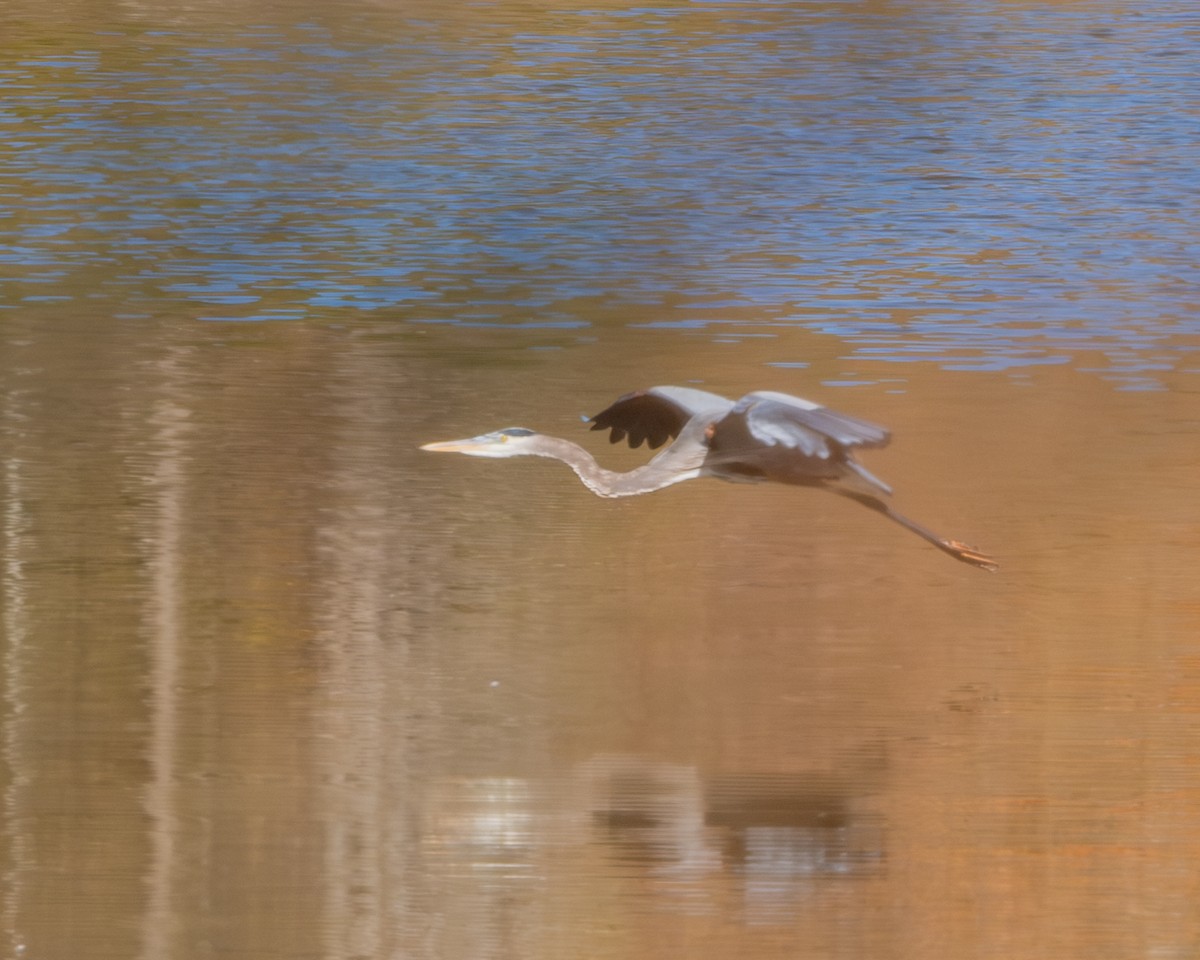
(783, 833)
(650, 813)
(770, 836)
(164, 546)
(15, 800)
(493, 823)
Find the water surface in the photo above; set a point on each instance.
(276, 683)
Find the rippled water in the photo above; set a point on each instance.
(276, 683)
(983, 185)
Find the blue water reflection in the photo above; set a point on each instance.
(974, 185)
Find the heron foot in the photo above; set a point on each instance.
(968, 554)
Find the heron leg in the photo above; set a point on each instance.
(956, 548)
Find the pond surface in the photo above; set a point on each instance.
(275, 683)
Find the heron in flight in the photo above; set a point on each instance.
(764, 436)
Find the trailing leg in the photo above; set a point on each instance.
(956, 548)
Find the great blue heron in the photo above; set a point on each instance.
(764, 436)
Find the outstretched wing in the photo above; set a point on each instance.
(769, 419)
(658, 414)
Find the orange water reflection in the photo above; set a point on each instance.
(276, 679)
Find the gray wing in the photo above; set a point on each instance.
(658, 414)
(769, 419)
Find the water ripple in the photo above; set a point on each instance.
(966, 168)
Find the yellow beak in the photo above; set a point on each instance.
(450, 446)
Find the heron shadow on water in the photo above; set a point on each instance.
(763, 437)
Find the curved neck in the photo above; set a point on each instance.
(608, 483)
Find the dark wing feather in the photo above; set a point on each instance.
(656, 415)
(773, 419)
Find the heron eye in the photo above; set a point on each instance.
(504, 438)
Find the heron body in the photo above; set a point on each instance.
(763, 437)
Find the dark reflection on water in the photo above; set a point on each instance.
(769, 838)
(275, 683)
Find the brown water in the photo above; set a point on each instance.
(278, 684)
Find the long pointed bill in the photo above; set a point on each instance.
(454, 446)
(493, 445)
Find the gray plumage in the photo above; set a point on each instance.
(763, 437)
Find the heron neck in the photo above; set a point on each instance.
(606, 483)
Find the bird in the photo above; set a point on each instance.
(763, 437)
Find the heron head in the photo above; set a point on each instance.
(509, 442)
